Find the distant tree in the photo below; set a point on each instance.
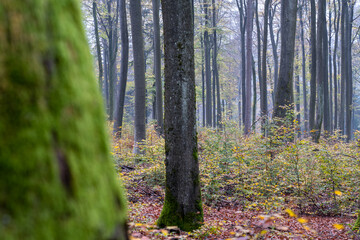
(263, 77)
(249, 41)
(182, 206)
(312, 66)
(98, 47)
(120, 103)
(57, 177)
(207, 64)
(139, 71)
(157, 65)
(321, 69)
(284, 92)
(303, 67)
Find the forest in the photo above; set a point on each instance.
(179, 119)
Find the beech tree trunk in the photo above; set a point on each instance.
(303, 58)
(119, 105)
(263, 79)
(207, 65)
(157, 66)
(139, 72)
(312, 66)
(98, 48)
(182, 206)
(54, 152)
(249, 42)
(284, 96)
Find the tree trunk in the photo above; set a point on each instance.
(306, 112)
(330, 72)
(336, 28)
(349, 84)
(157, 63)
(207, 65)
(284, 93)
(249, 42)
(263, 79)
(344, 72)
(240, 6)
(98, 49)
(320, 69)
(215, 70)
(274, 45)
(139, 72)
(113, 47)
(53, 144)
(313, 66)
(182, 207)
(119, 109)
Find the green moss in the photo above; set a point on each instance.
(172, 215)
(54, 154)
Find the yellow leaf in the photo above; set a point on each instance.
(263, 232)
(232, 233)
(138, 224)
(306, 227)
(338, 226)
(302, 220)
(290, 212)
(261, 217)
(338, 193)
(164, 232)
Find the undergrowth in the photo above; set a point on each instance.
(255, 172)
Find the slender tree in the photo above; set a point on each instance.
(312, 66)
(215, 67)
(320, 69)
(303, 68)
(139, 70)
(263, 79)
(157, 65)
(98, 47)
(119, 108)
(182, 206)
(54, 154)
(208, 103)
(249, 41)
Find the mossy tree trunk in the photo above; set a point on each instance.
(57, 180)
(182, 205)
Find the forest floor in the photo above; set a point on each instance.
(229, 221)
(252, 188)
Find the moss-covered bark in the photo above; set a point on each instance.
(56, 177)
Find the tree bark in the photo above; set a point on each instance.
(274, 45)
(215, 69)
(207, 65)
(157, 63)
(182, 207)
(249, 42)
(139, 72)
(312, 66)
(321, 64)
(98, 48)
(53, 144)
(119, 107)
(263, 80)
(242, 80)
(306, 111)
(284, 96)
